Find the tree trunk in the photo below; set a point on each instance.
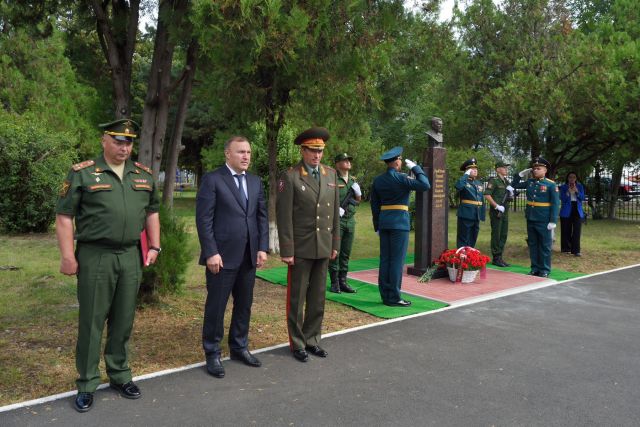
(616, 175)
(118, 47)
(275, 105)
(156, 107)
(181, 115)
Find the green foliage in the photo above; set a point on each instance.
(33, 161)
(38, 82)
(167, 275)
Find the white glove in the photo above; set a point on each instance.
(467, 172)
(500, 208)
(410, 163)
(551, 226)
(524, 172)
(510, 189)
(341, 212)
(356, 189)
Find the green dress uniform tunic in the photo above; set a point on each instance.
(340, 265)
(543, 205)
(109, 216)
(308, 222)
(470, 211)
(497, 189)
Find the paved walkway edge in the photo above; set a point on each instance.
(458, 304)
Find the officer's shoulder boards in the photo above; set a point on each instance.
(329, 167)
(354, 178)
(145, 168)
(82, 165)
(547, 179)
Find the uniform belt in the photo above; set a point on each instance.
(394, 208)
(471, 202)
(539, 204)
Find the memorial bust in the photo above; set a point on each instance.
(435, 133)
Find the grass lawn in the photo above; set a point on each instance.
(38, 306)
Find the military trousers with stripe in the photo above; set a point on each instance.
(306, 287)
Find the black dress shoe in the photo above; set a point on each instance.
(578, 254)
(400, 303)
(532, 273)
(335, 288)
(542, 274)
(316, 350)
(83, 401)
(301, 355)
(214, 366)
(498, 262)
(506, 264)
(347, 289)
(128, 390)
(246, 357)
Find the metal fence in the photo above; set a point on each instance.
(598, 196)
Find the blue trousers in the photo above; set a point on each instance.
(393, 249)
(539, 241)
(467, 233)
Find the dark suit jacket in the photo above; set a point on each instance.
(222, 222)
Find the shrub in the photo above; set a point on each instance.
(166, 276)
(34, 162)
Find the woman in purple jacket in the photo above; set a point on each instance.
(571, 214)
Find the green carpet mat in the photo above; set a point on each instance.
(367, 298)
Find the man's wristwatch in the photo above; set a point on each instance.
(153, 248)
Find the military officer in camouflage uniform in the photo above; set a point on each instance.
(499, 194)
(350, 196)
(543, 205)
(308, 218)
(390, 213)
(112, 199)
(471, 208)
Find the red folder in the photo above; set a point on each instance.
(144, 246)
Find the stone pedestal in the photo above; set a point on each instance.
(432, 209)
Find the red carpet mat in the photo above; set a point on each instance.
(446, 291)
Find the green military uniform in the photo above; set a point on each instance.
(497, 189)
(109, 216)
(309, 230)
(339, 267)
(543, 205)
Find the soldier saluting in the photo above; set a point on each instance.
(471, 209)
(543, 205)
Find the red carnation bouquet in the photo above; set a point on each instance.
(457, 262)
(464, 258)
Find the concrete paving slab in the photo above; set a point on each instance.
(563, 355)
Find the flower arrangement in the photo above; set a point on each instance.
(467, 258)
(457, 262)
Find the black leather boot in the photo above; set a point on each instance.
(335, 285)
(344, 287)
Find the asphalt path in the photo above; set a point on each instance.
(563, 355)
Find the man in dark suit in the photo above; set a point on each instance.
(231, 217)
